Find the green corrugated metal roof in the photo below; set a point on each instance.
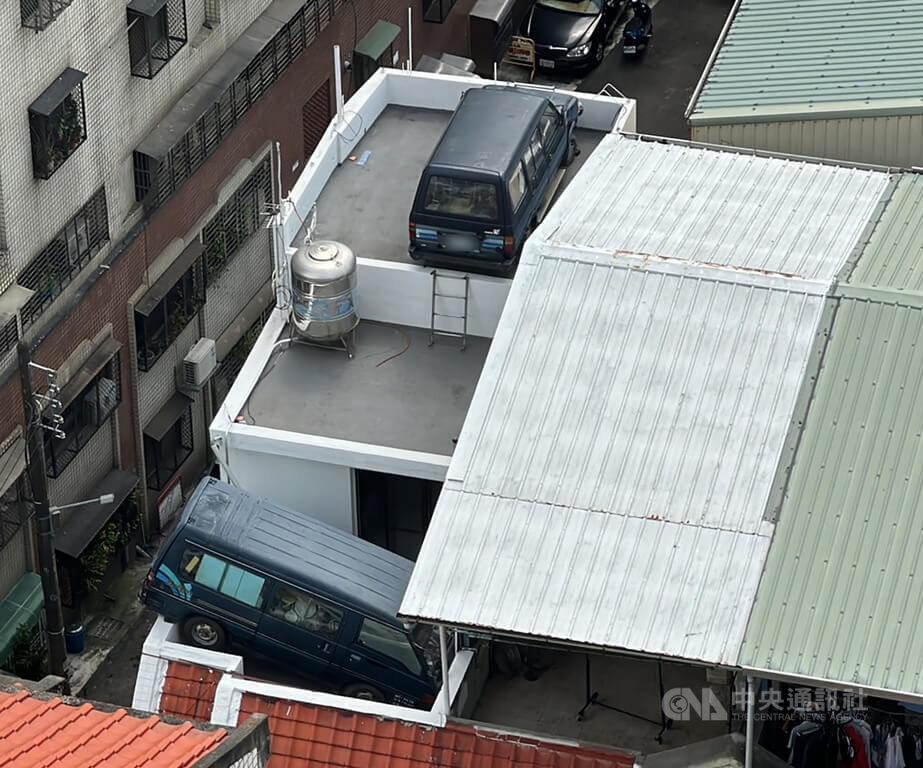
(814, 58)
(893, 258)
(23, 605)
(841, 597)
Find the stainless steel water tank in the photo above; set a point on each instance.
(323, 285)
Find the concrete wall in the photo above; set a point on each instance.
(896, 140)
(324, 491)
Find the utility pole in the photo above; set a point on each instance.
(33, 406)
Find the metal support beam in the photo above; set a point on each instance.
(748, 748)
(444, 659)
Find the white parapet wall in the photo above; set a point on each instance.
(162, 647)
(292, 464)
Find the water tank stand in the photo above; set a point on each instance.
(345, 343)
(454, 299)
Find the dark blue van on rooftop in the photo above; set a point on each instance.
(241, 571)
(487, 181)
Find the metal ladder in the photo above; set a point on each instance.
(433, 330)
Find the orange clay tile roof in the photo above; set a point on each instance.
(304, 735)
(189, 691)
(50, 733)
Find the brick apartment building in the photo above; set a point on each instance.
(136, 170)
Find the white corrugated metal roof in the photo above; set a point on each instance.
(726, 208)
(611, 483)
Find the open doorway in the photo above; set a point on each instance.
(394, 511)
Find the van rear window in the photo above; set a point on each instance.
(462, 197)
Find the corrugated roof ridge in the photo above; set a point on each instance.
(656, 518)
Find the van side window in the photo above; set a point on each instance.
(517, 186)
(389, 642)
(551, 122)
(306, 611)
(230, 580)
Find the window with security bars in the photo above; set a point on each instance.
(57, 123)
(156, 331)
(235, 358)
(13, 502)
(60, 261)
(212, 13)
(156, 33)
(156, 178)
(83, 417)
(164, 457)
(38, 14)
(9, 335)
(239, 218)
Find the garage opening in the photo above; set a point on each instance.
(394, 511)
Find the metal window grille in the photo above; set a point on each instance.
(156, 178)
(38, 14)
(156, 332)
(58, 131)
(62, 259)
(9, 335)
(212, 13)
(13, 505)
(155, 35)
(236, 221)
(164, 458)
(83, 417)
(236, 356)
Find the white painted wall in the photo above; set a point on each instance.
(895, 140)
(323, 491)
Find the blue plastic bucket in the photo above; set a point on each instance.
(75, 639)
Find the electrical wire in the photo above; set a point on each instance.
(407, 343)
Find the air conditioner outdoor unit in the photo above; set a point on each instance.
(198, 365)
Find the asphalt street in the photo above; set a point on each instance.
(663, 78)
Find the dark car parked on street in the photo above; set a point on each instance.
(240, 571)
(571, 35)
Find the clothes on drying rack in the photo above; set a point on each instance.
(831, 744)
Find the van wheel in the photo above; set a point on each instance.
(363, 691)
(204, 633)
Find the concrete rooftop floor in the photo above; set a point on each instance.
(397, 391)
(367, 206)
(550, 704)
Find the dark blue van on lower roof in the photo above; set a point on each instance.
(488, 179)
(241, 571)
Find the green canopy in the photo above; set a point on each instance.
(23, 605)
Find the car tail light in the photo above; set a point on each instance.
(508, 245)
(412, 229)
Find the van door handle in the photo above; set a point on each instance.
(354, 657)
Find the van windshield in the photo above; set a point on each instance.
(462, 197)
